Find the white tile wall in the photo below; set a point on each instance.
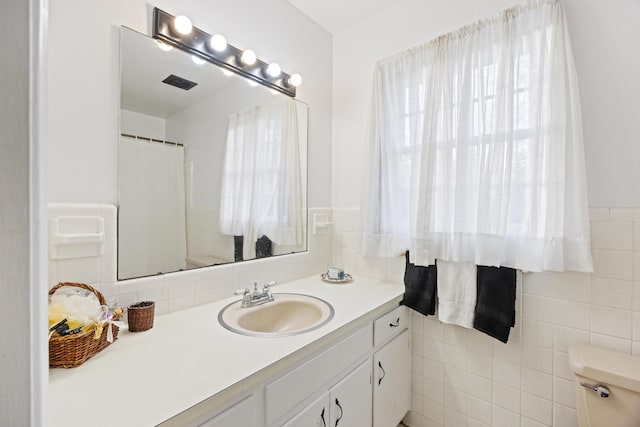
(180, 290)
(90, 269)
(459, 376)
(462, 377)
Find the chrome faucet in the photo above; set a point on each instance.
(252, 298)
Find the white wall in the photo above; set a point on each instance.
(22, 349)
(461, 377)
(604, 37)
(83, 89)
(14, 227)
(134, 123)
(84, 81)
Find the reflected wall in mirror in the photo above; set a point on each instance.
(212, 169)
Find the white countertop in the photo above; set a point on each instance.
(146, 378)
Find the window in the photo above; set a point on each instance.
(476, 148)
(261, 185)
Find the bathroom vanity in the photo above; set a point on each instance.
(190, 371)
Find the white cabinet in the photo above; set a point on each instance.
(242, 414)
(392, 382)
(359, 380)
(291, 390)
(351, 399)
(346, 404)
(390, 324)
(361, 398)
(314, 415)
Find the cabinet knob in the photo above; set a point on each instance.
(396, 324)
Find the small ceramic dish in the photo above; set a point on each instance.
(347, 278)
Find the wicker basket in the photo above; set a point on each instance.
(73, 350)
(140, 316)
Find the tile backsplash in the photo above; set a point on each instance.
(459, 376)
(171, 291)
(463, 377)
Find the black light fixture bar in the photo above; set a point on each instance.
(197, 43)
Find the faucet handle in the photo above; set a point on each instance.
(241, 291)
(266, 290)
(246, 294)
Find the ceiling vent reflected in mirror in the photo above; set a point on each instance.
(179, 82)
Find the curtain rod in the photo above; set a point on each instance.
(145, 138)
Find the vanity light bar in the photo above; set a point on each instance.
(197, 43)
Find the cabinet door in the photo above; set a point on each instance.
(291, 389)
(242, 414)
(392, 382)
(314, 415)
(351, 399)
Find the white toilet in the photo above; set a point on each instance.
(607, 387)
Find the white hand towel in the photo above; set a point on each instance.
(457, 292)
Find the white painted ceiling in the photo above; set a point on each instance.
(336, 15)
(145, 65)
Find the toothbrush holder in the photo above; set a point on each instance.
(140, 316)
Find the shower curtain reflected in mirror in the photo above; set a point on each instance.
(152, 236)
(261, 184)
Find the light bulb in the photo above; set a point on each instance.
(218, 43)
(197, 60)
(162, 45)
(183, 25)
(252, 83)
(248, 57)
(295, 80)
(228, 73)
(273, 70)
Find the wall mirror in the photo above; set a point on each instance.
(212, 167)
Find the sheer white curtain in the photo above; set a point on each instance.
(151, 218)
(476, 150)
(261, 187)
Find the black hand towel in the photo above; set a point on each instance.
(495, 312)
(420, 287)
(263, 247)
(238, 248)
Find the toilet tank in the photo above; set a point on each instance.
(619, 373)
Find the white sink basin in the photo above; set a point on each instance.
(288, 314)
